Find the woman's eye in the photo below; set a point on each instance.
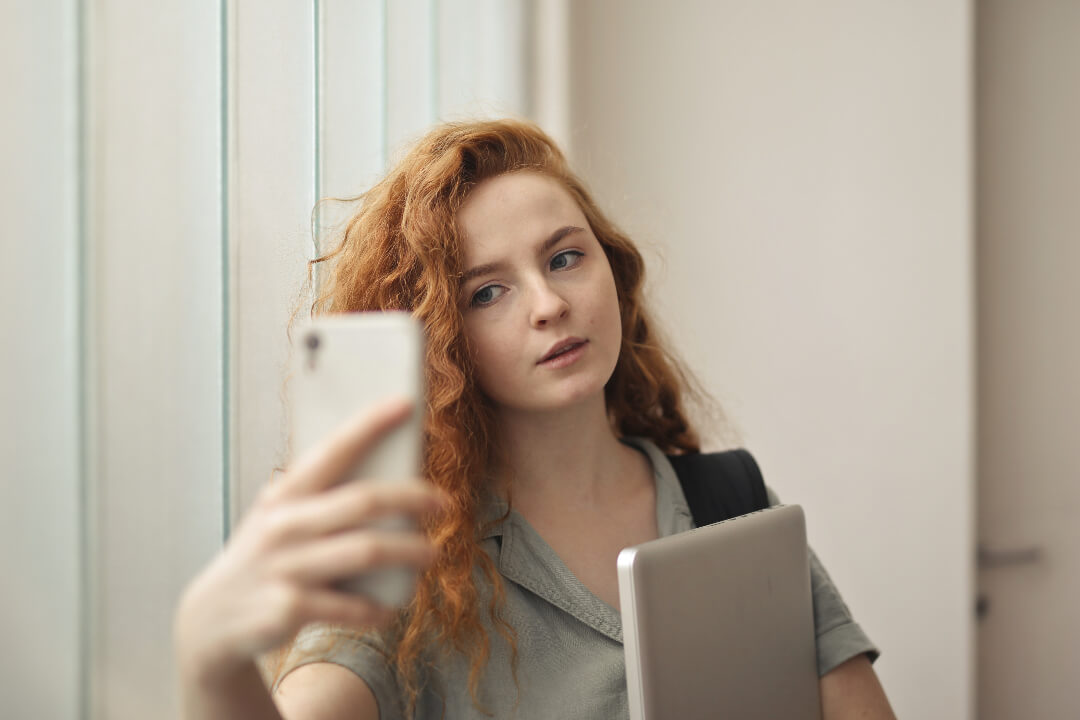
(565, 259)
(487, 295)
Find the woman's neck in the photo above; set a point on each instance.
(571, 457)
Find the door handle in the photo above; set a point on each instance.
(987, 559)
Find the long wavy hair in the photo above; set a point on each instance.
(402, 250)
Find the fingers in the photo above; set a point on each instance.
(346, 555)
(350, 506)
(329, 462)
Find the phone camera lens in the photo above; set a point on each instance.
(312, 341)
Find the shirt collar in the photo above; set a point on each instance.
(523, 557)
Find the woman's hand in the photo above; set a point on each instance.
(305, 531)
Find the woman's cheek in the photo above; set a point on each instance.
(494, 365)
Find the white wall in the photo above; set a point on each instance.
(803, 168)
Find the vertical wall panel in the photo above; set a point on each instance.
(39, 394)
(272, 192)
(483, 48)
(548, 80)
(411, 66)
(154, 282)
(352, 93)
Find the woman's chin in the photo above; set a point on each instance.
(564, 399)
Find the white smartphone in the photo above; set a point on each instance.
(342, 364)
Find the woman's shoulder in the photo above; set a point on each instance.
(357, 650)
(325, 690)
(329, 658)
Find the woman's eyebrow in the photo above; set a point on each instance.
(547, 245)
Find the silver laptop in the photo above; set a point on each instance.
(718, 622)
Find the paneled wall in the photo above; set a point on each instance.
(161, 166)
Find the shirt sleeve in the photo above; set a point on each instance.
(364, 656)
(839, 638)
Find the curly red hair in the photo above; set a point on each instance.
(402, 250)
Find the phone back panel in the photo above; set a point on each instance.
(342, 364)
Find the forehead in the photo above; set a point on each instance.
(512, 209)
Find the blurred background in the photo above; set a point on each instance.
(861, 221)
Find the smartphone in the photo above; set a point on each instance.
(342, 364)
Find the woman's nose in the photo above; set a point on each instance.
(548, 305)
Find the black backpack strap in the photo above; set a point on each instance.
(720, 485)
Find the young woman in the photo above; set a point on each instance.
(550, 407)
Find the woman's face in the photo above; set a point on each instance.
(536, 282)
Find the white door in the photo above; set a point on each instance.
(1029, 358)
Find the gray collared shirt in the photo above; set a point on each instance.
(570, 651)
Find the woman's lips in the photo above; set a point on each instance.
(561, 346)
(567, 357)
